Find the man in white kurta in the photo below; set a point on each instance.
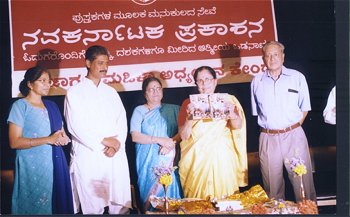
(94, 112)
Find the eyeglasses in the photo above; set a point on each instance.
(45, 81)
(153, 90)
(206, 80)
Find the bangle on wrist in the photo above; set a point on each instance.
(30, 143)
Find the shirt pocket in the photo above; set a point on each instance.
(292, 95)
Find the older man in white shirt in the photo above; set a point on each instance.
(96, 119)
(280, 98)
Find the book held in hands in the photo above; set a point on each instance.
(210, 106)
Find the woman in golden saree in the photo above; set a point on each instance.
(213, 151)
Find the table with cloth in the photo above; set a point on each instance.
(253, 201)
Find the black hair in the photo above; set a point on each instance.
(31, 75)
(94, 51)
(149, 80)
(198, 70)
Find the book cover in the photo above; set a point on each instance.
(218, 106)
(202, 106)
(210, 106)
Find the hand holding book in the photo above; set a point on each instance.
(211, 106)
(234, 117)
(232, 111)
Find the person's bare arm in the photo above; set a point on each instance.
(303, 118)
(19, 142)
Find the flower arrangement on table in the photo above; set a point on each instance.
(298, 167)
(164, 176)
(281, 206)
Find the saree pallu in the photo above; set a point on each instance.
(159, 122)
(62, 201)
(214, 158)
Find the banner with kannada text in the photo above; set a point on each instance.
(168, 39)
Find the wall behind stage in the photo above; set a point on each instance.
(306, 28)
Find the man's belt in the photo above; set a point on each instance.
(280, 131)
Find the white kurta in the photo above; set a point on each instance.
(93, 113)
(329, 113)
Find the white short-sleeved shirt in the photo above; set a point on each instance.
(281, 103)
